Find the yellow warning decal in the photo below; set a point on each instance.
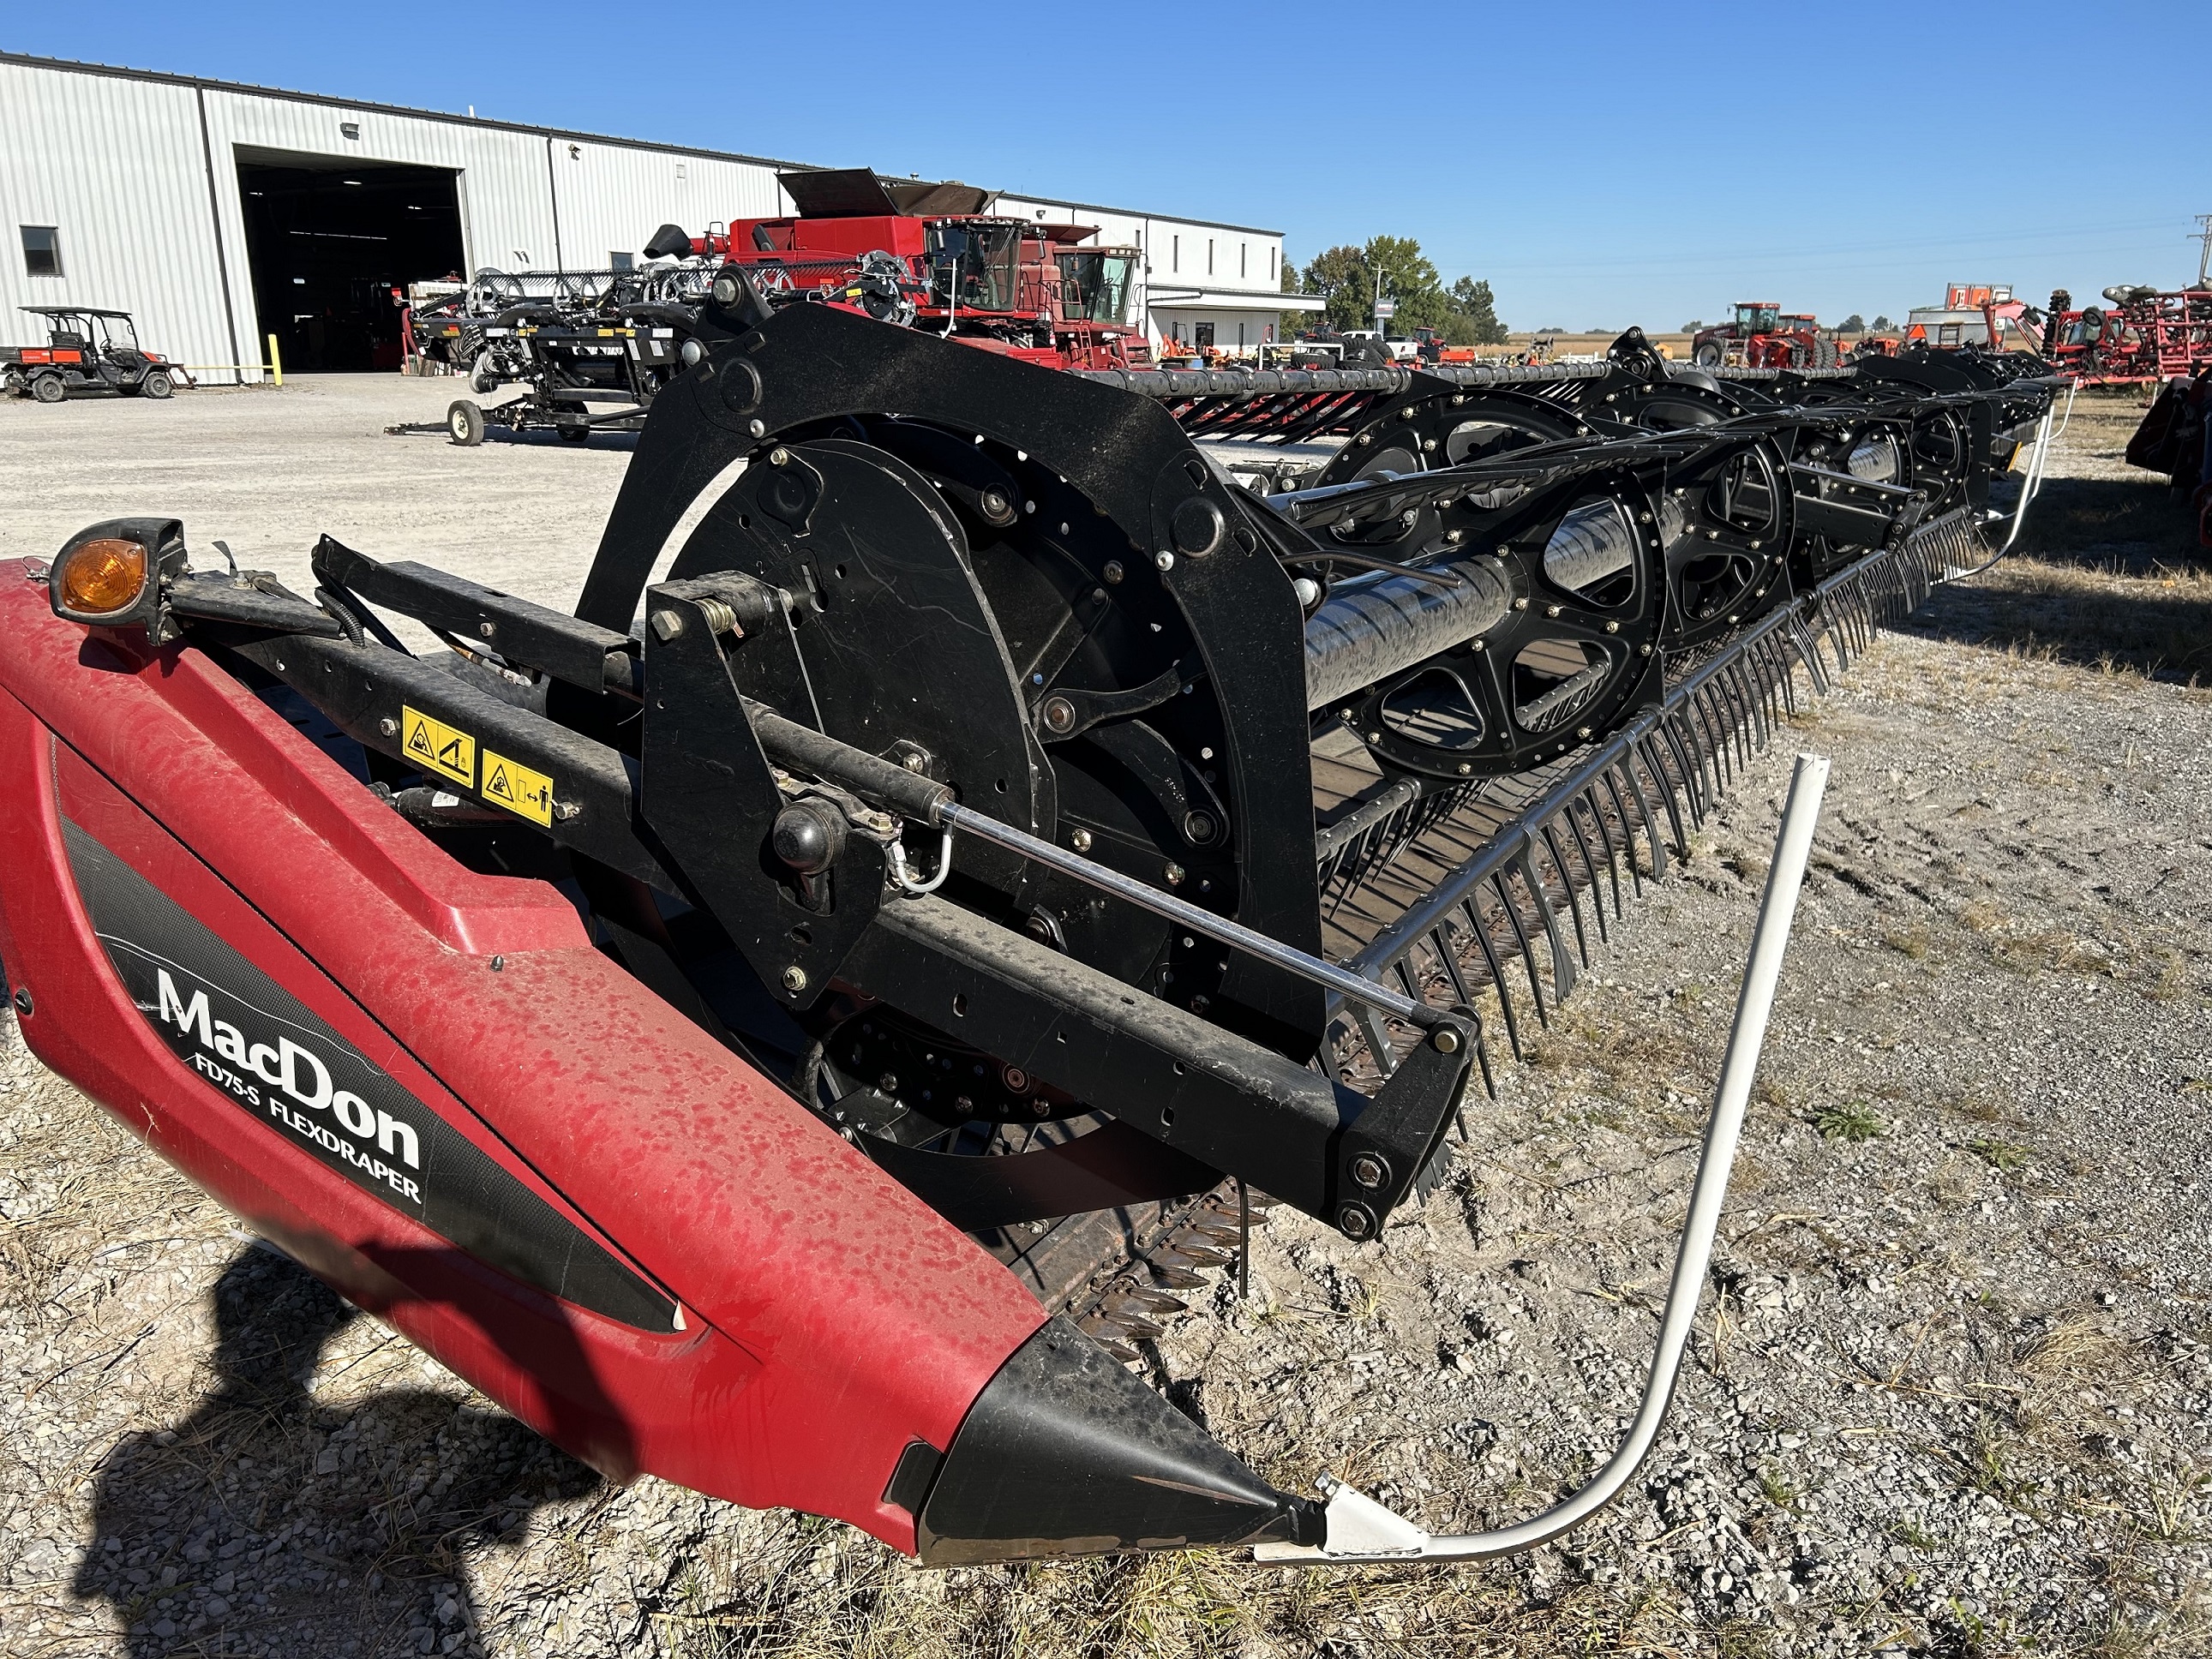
(437, 747)
(518, 788)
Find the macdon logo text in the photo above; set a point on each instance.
(293, 1085)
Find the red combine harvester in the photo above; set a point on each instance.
(1763, 336)
(927, 256)
(2147, 336)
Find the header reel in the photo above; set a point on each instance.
(963, 773)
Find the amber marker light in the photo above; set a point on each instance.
(100, 577)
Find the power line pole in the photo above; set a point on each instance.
(2204, 260)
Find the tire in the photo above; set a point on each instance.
(465, 421)
(49, 389)
(1707, 356)
(1824, 354)
(157, 383)
(574, 434)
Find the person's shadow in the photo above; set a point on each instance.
(267, 1525)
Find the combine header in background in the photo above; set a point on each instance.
(592, 348)
(589, 348)
(793, 1026)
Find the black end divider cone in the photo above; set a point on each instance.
(1065, 1453)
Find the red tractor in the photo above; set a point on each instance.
(1764, 335)
(926, 256)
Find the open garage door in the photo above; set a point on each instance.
(329, 239)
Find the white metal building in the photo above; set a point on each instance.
(222, 213)
(1203, 284)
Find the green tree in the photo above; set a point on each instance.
(1341, 277)
(1880, 322)
(1474, 314)
(1853, 324)
(1346, 277)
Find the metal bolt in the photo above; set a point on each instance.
(1016, 1080)
(1173, 875)
(565, 809)
(757, 428)
(1446, 1039)
(1362, 441)
(389, 726)
(794, 978)
(497, 963)
(667, 624)
(1645, 649)
(778, 456)
(1164, 560)
(23, 1000)
(1756, 544)
(1612, 628)
(1113, 572)
(1464, 769)
(1521, 605)
(1643, 517)
(1080, 841)
(1353, 1221)
(1428, 446)
(1059, 714)
(1370, 1171)
(1582, 731)
(912, 762)
(1550, 610)
(486, 629)
(1478, 645)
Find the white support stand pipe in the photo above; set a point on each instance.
(1362, 1530)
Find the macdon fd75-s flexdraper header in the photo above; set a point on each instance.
(790, 1026)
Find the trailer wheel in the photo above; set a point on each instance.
(156, 383)
(466, 424)
(1707, 356)
(48, 389)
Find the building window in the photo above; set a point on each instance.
(42, 250)
(1209, 256)
(1243, 255)
(622, 261)
(1202, 334)
(1271, 266)
(1175, 253)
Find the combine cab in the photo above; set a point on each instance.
(87, 349)
(795, 1026)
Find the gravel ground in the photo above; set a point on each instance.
(1950, 1391)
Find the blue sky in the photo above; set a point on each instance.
(1599, 164)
